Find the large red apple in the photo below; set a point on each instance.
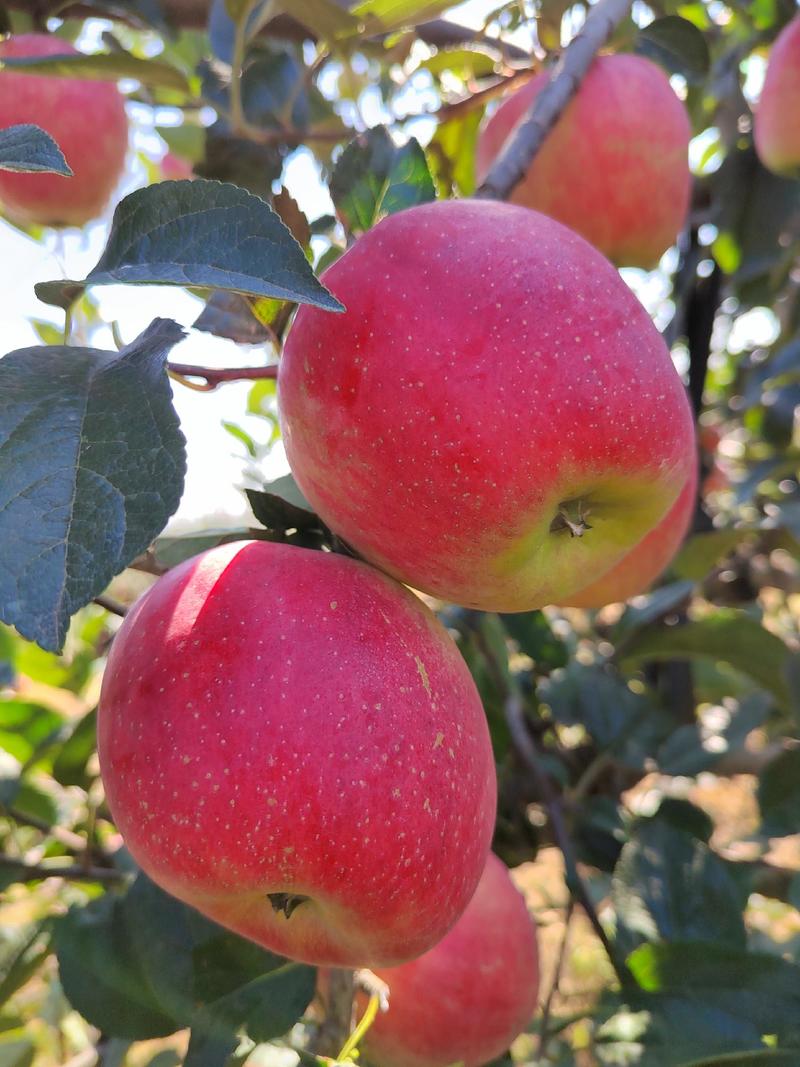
(777, 119)
(636, 572)
(86, 118)
(465, 1000)
(495, 419)
(291, 743)
(615, 166)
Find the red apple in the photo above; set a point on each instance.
(466, 999)
(493, 391)
(636, 572)
(777, 119)
(291, 743)
(615, 166)
(88, 121)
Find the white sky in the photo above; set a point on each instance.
(216, 460)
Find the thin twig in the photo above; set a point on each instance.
(215, 377)
(338, 1022)
(116, 607)
(544, 1037)
(519, 150)
(68, 838)
(33, 872)
(479, 98)
(522, 740)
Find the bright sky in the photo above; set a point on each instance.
(216, 460)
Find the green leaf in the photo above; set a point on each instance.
(67, 527)
(326, 19)
(397, 14)
(451, 154)
(374, 178)
(230, 315)
(696, 747)
(69, 766)
(669, 886)
(755, 988)
(702, 551)
(24, 726)
(677, 45)
(28, 148)
(202, 234)
(16, 1049)
(779, 795)
(22, 952)
(535, 638)
(731, 636)
(287, 489)
(196, 972)
(154, 73)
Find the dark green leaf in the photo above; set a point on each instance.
(69, 766)
(534, 636)
(67, 528)
(209, 1050)
(668, 886)
(151, 72)
(374, 177)
(731, 636)
(779, 795)
(696, 747)
(29, 799)
(702, 551)
(229, 314)
(677, 45)
(200, 233)
(24, 727)
(28, 148)
(762, 990)
(276, 513)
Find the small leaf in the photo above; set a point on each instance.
(374, 178)
(69, 766)
(154, 73)
(326, 19)
(700, 552)
(27, 148)
(731, 636)
(779, 795)
(534, 636)
(398, 14)
(204, 234)
(67, 527)
(230, 315)
(677, 45)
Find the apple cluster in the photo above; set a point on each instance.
(290, 741)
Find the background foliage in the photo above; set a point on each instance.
(659, 791)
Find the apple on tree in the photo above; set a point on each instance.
(466, 999)
(614, 167)
(776, 124)
(87, 120)
(495, 420)
(291, 743)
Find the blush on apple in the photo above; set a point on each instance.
(494, 419)
(87, 120)
(291, 743)
(614, 167)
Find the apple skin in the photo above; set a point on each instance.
(175, 168)
(636, 572)
(776, 125)
(490, 367)
(615, 166)
(279, 720)
(467, 998)
(88, 122)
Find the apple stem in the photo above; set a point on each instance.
(285, 903)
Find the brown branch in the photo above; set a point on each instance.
(338, 1002)
(68, 838)
(116, 607)
(214, 378)
(34, 872)
(519, 150)
(547, 1007)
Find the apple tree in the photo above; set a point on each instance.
(533, 353)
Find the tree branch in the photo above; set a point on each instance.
(214, 378)
(116, 607)
(544, 1037)
(33, 872)
(514, 160)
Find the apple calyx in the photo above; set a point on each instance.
(285, 903)
(571, 515)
